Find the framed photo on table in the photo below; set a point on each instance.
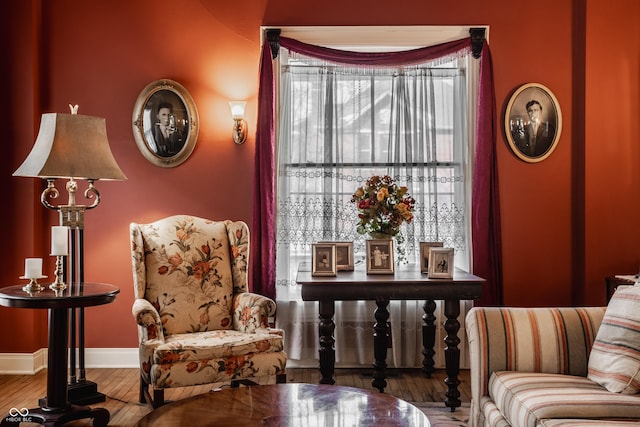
(441, 263)
(323, 259)
(379, 256)
(424, 254)
(344, 256)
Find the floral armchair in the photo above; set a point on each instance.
(197, 324)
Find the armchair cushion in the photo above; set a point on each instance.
(188, 265)
(614, 361)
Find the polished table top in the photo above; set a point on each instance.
(288, 405)
(85, 295)
(406, 283)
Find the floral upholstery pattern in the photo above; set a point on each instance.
(197, 323)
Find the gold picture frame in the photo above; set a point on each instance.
(380, 257)
(441, 263)
(424, 254)
(323, 259)
(165, 123)
(533, 102)
(344, 256)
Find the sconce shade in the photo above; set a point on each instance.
(71, 146)
(237, 109)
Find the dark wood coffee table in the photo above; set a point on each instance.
(288, 405)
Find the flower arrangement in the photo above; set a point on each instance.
(383, 206)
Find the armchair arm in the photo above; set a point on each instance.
(251, 312)
(548, 340)
(148, 320)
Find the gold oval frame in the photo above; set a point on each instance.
(185, 117)
(516, 120)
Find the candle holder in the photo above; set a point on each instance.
(58, 286)
(33, 287)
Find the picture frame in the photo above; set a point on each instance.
(323, 259)
(380, 257)
(441, 263)
(344, 256)
(424, 254)
(528, 103)
(165, 123)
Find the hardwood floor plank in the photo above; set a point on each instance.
(121, 389)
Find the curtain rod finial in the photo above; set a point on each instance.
(273, 37)
(477, 40)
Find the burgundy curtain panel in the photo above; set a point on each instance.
(485, 201)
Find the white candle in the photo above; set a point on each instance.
(33, 268)
(59, 240)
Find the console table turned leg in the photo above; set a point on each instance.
(428, 337)
(327, 353)
(452, 353)
(380, 341)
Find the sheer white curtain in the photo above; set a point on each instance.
(338, 126)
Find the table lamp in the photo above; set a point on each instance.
(73, 147)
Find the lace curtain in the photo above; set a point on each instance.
(338, 126)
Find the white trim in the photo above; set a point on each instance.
(32, 363)
(363, 37)
(23, 363)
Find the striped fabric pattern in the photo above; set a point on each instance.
(614, 362)
(546, 340)
(527, 397)
(587, 423)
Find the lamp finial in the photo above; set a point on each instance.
(73, 108)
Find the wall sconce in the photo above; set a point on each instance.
(240, 124)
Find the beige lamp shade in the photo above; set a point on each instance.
(71, 146)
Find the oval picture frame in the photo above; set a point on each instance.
(165, 123)
(527, 102)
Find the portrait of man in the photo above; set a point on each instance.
(533, 120)
(167, 129)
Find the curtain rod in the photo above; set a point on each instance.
(477, 41)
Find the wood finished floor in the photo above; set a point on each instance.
(121, 388)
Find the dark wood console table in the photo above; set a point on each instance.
(55, 408)
(408, 283)
(614, 281)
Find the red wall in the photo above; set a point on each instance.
(101, 54)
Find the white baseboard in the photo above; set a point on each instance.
(31, 363)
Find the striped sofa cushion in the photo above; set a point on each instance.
(614, 361)
(527, 397)
(588, 423)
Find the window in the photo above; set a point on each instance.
(339, 125)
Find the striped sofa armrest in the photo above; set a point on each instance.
(548, 340)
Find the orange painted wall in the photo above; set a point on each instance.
(101, 54)
(613, 146)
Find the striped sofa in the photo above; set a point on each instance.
(529, 368)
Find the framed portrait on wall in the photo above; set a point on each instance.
(165, 123)
(533, 122)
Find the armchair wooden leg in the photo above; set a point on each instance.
(158, 398)
(145, 395)
(143, 387)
